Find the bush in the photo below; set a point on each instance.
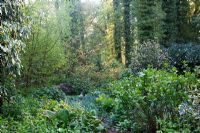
(87, 79)
(49, 116)
(13, 108)
(181, 54)
(50, 93)
(107, 103)
(72, 119)
(33, 119)
(153, 94)
(80, 84)
(125, 73)
(148, 53)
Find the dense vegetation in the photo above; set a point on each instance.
(113, 66)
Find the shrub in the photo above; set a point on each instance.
(13, 108)
(153, 94)
(107, 103)
(80, 84)
(125, 73)
(181, 54)
(51, 93)
(68, 119)
(49, 116)
(33, 120)
(148, 53)
(87, 79)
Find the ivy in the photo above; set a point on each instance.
(13, 29)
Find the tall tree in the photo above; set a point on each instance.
(127, 31)
(77, 25)
(117, 29)
(149, 16)
(170, 22)
(183, 26)
(44, 51)
(12, 31)
(77, 40)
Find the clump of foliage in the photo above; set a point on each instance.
(50, 93)
(44, 57)
(181, 54)
(25, 115)
(148, 53)
(13, 28)
(153, 94)
(107, 103)
(80, 83)
(70, 119)
(86, 78)
(42, 114)
(13, 108)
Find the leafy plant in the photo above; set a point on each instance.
(107, 103)
(13, 108)
(51, 93)
(73, 119)
(150, 95)
(181, 54)
(148, 53)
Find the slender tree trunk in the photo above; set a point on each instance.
(117, 29)
(127, 31)
(182, 17)
(170, 22)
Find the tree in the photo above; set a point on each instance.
(150, 17)
(77, 39)
(183, 25)
(117, 29)
(77, 25)
(127, 31)
(44, 54)
(13, 29)
(170, 22)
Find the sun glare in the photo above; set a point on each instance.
(91, 1)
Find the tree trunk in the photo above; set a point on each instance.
(127, 31)
(117, 29)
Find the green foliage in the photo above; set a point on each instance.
(87, 78)
(107, 103)
(149, 53)
(125, 73)
(7, 90)
(13, 108)
(183, 124)
(27, 117)
(13, 28)
(181, 54)
(170, 21)
(70, 119)
(46, 115)
(80, 84)
(44, 54)
(149, 20)
(85, 45)
(151, 95)
(50, 93)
